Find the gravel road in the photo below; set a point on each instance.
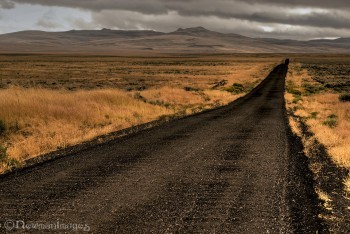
(229, 170)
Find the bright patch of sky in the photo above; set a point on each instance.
(267, 28)
(36, 17)
(306, 11)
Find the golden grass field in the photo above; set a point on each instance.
(49, 102)
(314, 87)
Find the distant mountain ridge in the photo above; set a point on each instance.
(188, 40)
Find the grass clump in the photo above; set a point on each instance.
(314, 115)
(236, 88)
(292, 88)
(297, 98)
(7, 162)
(312, 88)
(138, 96)
(191, 89)
(2, 127)
(3, 154)
(344, 97)
(331, 121)
(220, 84)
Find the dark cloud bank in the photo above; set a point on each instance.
(297, 19)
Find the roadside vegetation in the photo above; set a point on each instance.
(317, 95)
(325, 110)
(52, 102)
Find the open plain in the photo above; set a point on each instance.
(54, 102)
(50, 102)
(232, 169)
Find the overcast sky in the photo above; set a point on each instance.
(294, 19)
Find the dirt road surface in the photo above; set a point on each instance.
(236, 169)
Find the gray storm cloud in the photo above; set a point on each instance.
(328, 4)
(5, 4)
(171, 21)
(246, 15)
(252, 10)
(161, 6)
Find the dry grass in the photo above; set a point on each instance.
(293, 123)
(130, 73)
(173, 96)
(347, 186)
(325, 198)
(337, 139)
(317, 108)
(179, 99)
(51, 102)
(324, 114)
(40, 121)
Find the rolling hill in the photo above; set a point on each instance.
(189, 40)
